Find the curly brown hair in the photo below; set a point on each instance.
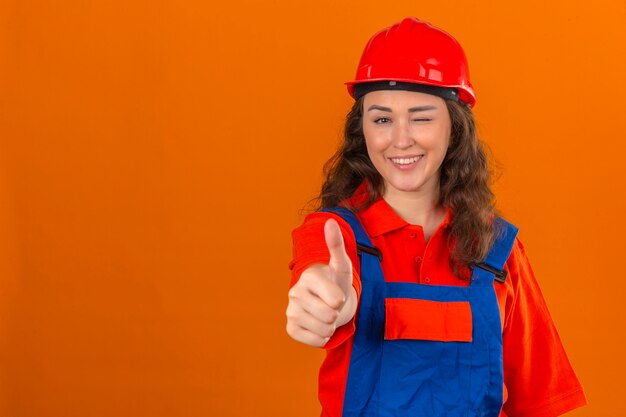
(464, 185)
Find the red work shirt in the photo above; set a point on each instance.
(538, 378)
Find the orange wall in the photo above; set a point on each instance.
(154, 156)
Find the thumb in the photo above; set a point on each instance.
(339, 263)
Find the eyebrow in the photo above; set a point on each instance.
(411, 110)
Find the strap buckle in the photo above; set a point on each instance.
(372, 251)
(500, 274)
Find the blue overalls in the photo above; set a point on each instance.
(402, 374)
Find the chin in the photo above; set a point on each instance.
(407, 188)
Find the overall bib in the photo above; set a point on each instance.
(427, 350)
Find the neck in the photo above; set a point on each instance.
(417, 208)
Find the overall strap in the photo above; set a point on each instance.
(501, 248)
(362, 390)
(363, 242)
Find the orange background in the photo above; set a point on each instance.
(155, 155)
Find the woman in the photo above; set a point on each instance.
(422, 297)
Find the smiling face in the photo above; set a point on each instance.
(407, 136)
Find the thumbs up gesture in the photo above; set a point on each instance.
(323, 298)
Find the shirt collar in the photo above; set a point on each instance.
(379, 218)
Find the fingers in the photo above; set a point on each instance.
(301, 319)
(316, 280)
(316, 307)
(339, 263)
(308, 328)
(314, 304)
(317, 296)
(307, 337)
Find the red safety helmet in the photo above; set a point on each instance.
(415, 52)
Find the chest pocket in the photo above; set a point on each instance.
(408, 318)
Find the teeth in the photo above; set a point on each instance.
(405, 161)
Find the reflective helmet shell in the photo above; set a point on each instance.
(417, 52)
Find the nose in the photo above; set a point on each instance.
(402, 136)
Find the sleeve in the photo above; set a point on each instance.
(538, 376)
(309, 247)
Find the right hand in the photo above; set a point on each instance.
(323, 298)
